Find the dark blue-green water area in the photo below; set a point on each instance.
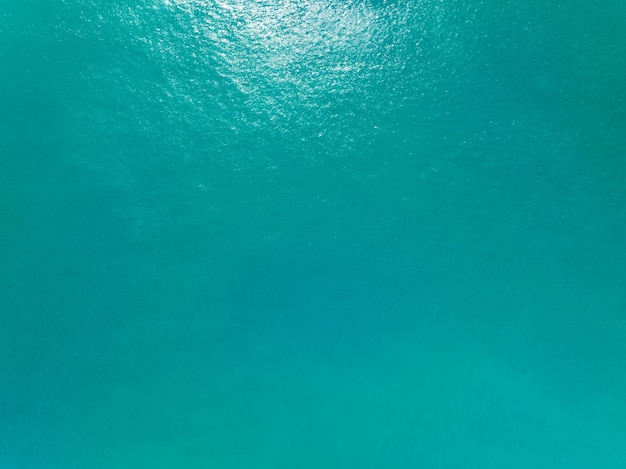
(312, 234)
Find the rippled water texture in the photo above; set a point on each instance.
(312, 234)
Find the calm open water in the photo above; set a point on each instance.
(312, 234)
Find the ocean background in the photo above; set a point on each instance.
(312, 234)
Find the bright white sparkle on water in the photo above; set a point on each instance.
(284, 36)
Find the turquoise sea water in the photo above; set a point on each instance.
(312, 234)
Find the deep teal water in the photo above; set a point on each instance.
(312, 234)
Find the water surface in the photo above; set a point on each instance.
(312, 233)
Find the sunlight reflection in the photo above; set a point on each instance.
(308, 44)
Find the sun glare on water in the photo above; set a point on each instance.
(307, 44)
